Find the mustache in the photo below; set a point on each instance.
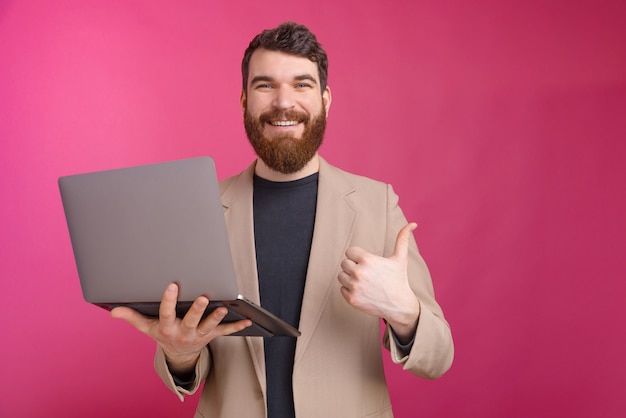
(283, 115)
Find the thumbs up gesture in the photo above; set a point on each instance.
(379, 286)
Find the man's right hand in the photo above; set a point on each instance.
(182, 340)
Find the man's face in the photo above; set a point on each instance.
(284, 109)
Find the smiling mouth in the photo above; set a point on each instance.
(283, 122)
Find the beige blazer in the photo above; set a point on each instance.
(338, 368)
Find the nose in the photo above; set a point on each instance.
(283, 98)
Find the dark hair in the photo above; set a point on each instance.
(291, 38)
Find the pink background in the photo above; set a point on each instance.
(501, 124)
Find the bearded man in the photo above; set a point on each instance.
(328, 251)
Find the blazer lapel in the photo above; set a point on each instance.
(237, 203)
(334, 225)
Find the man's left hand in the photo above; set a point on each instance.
(379, 286)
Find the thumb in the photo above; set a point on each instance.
(401, 249)
(131, 316)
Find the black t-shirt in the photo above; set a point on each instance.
(284, 219)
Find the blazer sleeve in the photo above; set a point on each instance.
(202, 371)
(433, 350)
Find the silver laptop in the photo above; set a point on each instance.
(134, 230)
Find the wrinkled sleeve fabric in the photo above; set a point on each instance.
(432, 351)
(201, 372)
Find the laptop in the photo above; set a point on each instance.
(134, 230)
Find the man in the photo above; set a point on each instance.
(328, 251)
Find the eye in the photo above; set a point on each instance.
(263, 86)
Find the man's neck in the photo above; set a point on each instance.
(262, 170)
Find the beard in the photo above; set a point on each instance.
(285, 153)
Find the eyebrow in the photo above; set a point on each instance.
(265, 78)
(304, 77)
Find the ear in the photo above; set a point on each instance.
(327, 98)
(243, 100)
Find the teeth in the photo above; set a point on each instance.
(284, 122)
